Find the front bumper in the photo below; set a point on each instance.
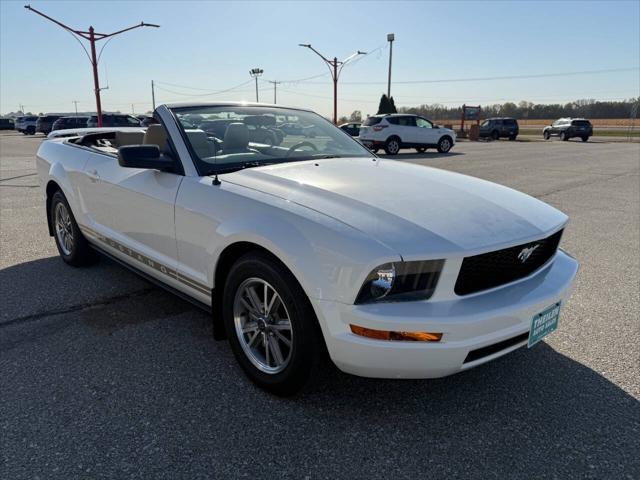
(467, 323)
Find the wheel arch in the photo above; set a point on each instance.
(225, 261)
(51, 188)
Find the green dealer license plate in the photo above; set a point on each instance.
(543, 323)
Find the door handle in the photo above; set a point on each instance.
(93, 175)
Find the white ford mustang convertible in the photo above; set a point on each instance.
(302, 245)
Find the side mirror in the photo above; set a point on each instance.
(144, 156)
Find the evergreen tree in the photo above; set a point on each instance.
(384, 106)
(392, 106)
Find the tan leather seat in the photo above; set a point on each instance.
(128, 138)
(156, 135)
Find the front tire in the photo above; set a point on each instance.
(271, 326)
(392, 147)
(495, 135)
(546, 135)
(445, 144)
(563, 136)
(72, 246)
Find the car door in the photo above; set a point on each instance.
(425, 132)
(404, 127)
(132, 211)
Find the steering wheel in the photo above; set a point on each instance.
(300, 145)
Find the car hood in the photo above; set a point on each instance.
(419, 212)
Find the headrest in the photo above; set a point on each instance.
(155, 135)
(236, 137)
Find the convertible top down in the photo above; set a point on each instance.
(301, 244)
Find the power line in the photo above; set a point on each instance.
(505, 77)
(216, 92)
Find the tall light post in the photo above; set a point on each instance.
(390, 38)
(255, 73)
(335, 73)
(275, 86)
(93, 37)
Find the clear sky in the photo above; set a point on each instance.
(211, 46)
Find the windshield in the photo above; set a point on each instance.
(226, 138)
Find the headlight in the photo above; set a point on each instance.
(400, 281)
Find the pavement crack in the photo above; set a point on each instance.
(19, 176)
(75, 308)
(584, 184)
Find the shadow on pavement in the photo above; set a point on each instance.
(49, 285)
(140, 377)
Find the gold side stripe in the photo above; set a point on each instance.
(170, 272)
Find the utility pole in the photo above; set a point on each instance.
(93, 37)
(390, 38)
(335, 73)
(255, 73)
(75, 103)
(275, 84)
(153, 95)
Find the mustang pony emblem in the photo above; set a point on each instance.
(525, 253)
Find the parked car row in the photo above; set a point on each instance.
(32, 124)
(565, 128)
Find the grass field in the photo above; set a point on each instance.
(534, 122)
(597, 131)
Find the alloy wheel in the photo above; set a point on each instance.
(263, 325)
(64, 228)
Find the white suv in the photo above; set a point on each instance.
(395, 131)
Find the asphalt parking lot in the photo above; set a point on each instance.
(103, 375)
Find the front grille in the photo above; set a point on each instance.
(493, 269)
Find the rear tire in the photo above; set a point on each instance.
(495, 135)
(392, 147)
(512, 138)
(585, 139)
(445, 144)
(72, 246)
(289, 321)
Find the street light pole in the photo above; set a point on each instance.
(75, 103)
(93, 37)
(255, 73)
(153, 95)
(335, 73)
(275, 84)
(390, 38)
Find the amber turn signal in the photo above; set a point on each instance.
(387, 335)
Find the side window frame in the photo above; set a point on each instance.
(428, 122)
